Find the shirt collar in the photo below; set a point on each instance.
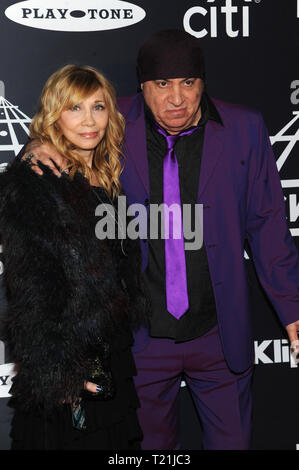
(208, 111)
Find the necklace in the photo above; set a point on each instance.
(117, 221)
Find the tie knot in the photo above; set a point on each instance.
(172, 139)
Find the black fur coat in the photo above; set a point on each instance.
(64, 286)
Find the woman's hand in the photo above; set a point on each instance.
(91, 387)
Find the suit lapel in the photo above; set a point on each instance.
(135, 146)
(135, 142)
(212, 151)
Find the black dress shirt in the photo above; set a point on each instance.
(201, 315)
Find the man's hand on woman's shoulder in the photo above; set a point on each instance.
(45, 153)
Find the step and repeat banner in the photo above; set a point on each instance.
(251, 51)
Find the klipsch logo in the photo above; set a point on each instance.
(75, 15)
(273, 351)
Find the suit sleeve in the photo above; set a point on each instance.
(273, 249)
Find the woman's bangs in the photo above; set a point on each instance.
(79, 90)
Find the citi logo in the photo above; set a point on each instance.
(75, 15)
(273, 351)
(208, 19)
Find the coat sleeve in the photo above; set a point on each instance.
(37, 332)
(273, 249)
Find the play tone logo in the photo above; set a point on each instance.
(75, 15)
(7, 372)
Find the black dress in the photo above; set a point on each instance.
(110, 424)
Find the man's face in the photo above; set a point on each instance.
(175, 103)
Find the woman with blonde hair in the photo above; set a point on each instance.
(73, 298)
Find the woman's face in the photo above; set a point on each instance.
(84, 124)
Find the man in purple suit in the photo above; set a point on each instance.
(185, 148)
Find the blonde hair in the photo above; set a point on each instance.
(67, 87)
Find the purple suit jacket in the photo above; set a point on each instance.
(241, 192)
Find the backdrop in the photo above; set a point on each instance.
(251, 49)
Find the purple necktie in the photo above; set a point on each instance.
(175, 263)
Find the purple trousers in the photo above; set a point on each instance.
(222, 398)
